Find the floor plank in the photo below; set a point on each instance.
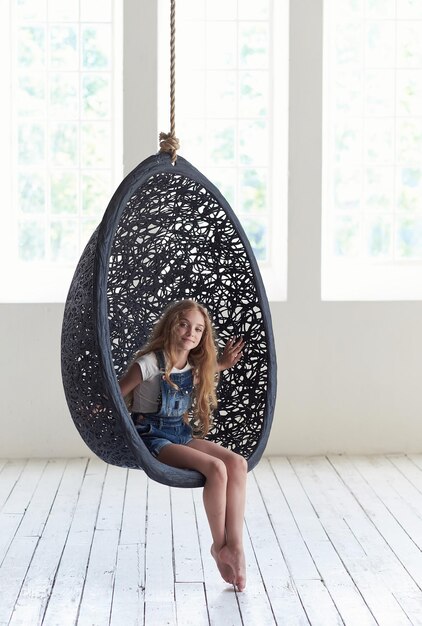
(70, 578)
(24, 488)
(159, 568)
(12, 574)
(278, 582)
(9, 476)
(328, 540)
(314, 475)
(191, 604)
(391, 554)
(187, 554)
(36, 515)
(128, 594)
(97, 596)
(37, 587)
(308, 510)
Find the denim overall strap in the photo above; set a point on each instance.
(160, 360)
(159, 355)
(174, 401)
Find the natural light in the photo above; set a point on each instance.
(65, 156)
(231, 113)
(372, 175)
(63, 121)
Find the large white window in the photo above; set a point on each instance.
(61, 117)
(231, 112)
(372, 161)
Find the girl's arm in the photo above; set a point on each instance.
(131, 379)
(232, 353)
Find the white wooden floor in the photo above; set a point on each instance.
(333, 540)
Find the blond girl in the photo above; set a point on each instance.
(176, 372)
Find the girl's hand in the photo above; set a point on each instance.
(232, 353)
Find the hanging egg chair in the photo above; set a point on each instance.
(167, 234)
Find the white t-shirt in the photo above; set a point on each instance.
(147, 393)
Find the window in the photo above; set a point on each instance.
(372, 172)
(231, 112)
(62, 119)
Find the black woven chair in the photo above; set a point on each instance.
(167, 234)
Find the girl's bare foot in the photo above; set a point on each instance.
(235, 560)
(224, 569)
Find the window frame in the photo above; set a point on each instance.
(348, 279)
(44, 281)
(274, 271)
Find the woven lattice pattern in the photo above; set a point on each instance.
(86, 394)
(168, 234)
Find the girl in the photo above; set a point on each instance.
(177, 367)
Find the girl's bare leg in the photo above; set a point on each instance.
(214, 493)
(231, 553)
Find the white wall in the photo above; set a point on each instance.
(348, 372)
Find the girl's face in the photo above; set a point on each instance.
(190, 329)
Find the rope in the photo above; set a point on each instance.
(168, 141)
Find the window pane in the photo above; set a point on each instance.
(347, 188)
(95, 193)
(31, 144)
(31, 241)
(409, 189)
(380, 92)
(379, 189)
(64, 11)
(96, 96)
(409, 44)
(409, 92)
(226, 180)
(64, 47)
(253, 45)
(35, 10)
(221, 97)
(30, 96)
(256, 231)
(64, 144)
(224, 55)
(253, 191)
(64, 240)
(222, 10)
(253, 142)
(346, 236)
(64, 192)
(31, 47)
(378, 51)
(95, 145)
(379, 237)
(31, 192)
(409, 235)
(96, 52)
(64, 95)
(254, 94)
(221, 142)
(252, 10)
(96, 10)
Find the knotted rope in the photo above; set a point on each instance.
(168, 141)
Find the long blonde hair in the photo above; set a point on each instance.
(203, 357)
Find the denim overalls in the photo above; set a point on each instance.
(167, 425)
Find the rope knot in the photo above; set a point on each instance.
(169, 143)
